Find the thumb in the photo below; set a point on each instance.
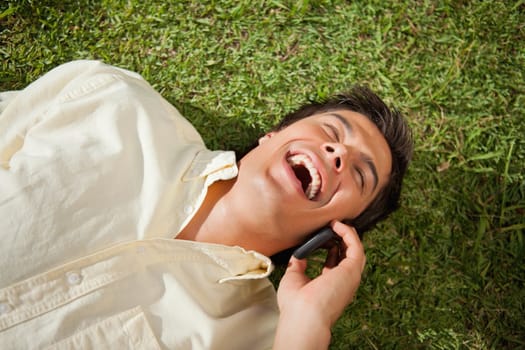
(296, 266)
(293, 279)
(295, 276)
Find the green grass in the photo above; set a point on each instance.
(447, 270)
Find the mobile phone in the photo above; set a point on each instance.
(317, 240)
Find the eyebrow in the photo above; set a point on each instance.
(345, 122)
(364, 157)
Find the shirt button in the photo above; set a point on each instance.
(73, 278)
(188, 209)
(5, 308)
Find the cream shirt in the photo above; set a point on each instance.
(98, 174)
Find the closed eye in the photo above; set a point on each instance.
(332, 132)
(361, 178)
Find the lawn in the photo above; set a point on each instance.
(447, 270)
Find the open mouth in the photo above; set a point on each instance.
(305, 172)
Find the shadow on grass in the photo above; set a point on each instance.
(220, 132)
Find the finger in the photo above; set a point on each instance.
(354, 252)
(342, 229)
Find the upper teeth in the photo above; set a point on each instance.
(315, 184)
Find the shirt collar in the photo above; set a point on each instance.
(214, 165)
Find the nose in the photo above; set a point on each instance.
(337, 154)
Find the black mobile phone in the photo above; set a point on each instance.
(317, 240)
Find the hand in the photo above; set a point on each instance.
(309, 308)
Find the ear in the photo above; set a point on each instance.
(266, 137)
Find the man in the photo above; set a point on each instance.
(98, 174)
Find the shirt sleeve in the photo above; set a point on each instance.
(20, 111)
(5, 98)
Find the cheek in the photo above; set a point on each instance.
(349, 204)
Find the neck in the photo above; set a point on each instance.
(220, 221)
(200, 227)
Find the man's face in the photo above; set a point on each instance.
(324, 167)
